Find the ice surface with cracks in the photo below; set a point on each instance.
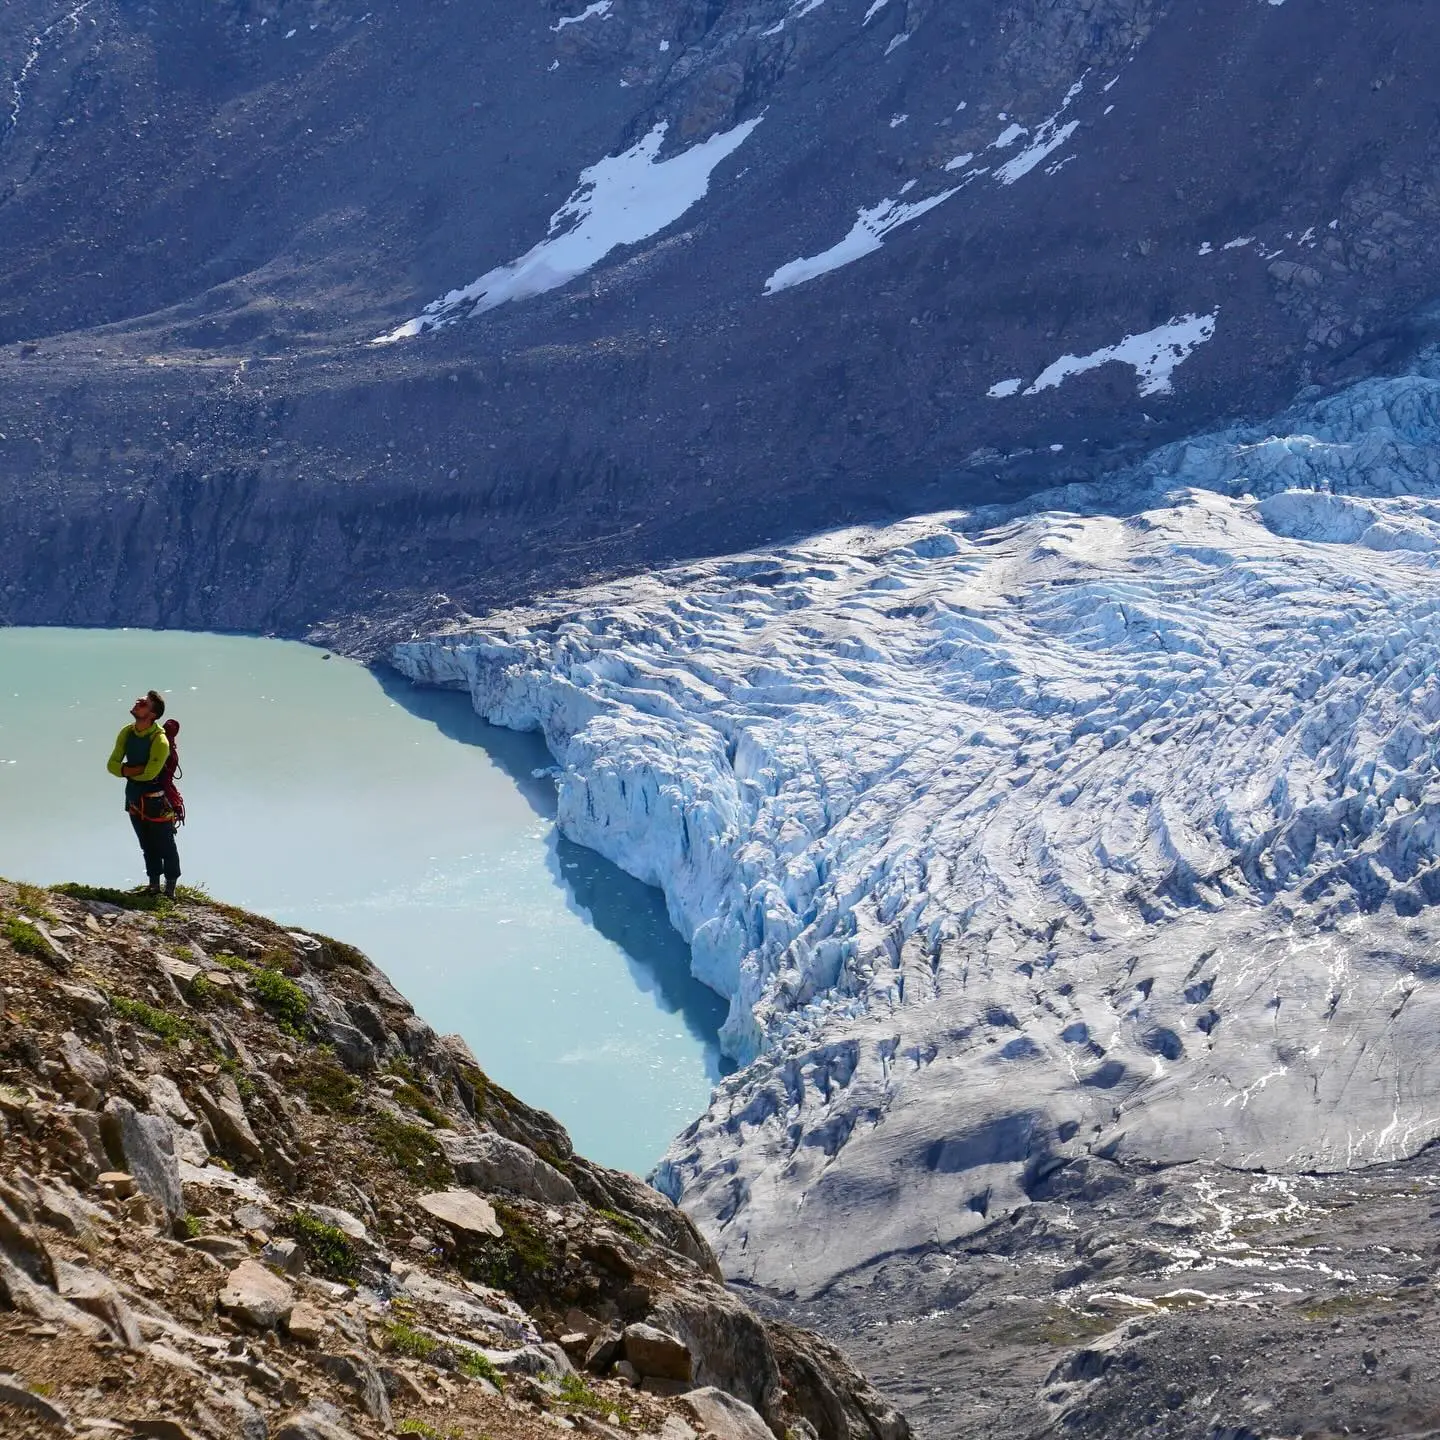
(1106, 824)
(621, 200)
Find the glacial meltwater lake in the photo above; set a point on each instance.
(348, 801)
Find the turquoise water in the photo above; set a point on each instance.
(350, 802)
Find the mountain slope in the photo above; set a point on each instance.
(207, 213)
(246, 1192)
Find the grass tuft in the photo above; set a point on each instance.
(31, 899)
(575, 1393)
(138, 899)
(328, 1247)
(410, 1148)
(626, 1226)
(416, 1100)
(326, 1084)
(480, 1367)
(284, 999)
(26, 939)
(168, 1027)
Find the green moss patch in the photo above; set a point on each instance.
(414, 1099)
(411, 1149)
(327, 1246)
(25, 938)
(284, 999)
(326, 1084)
(139, 899)
(162, 1023)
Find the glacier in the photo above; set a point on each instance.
(1106, 824)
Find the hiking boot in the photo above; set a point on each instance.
(170, 889)
(153, 888)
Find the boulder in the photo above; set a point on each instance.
(463, 1211)
(285, 1256)
(226, 1116)
(62, 1209)
(92, 1292)
(605, 1349)
(728, 1342)
(120, 1184)
(654, 1353)
(226, 1248)
(257, 1296)
(312, 1425)
(352, 1049)
(307, 1323)
(143, 1146)
(355, 1372)
(88, 1072)
(15, 1394)
(491, 1162)
(160, 1428)
(717, 1414)
(342, 1220)
(89, 1002)
(540, 1362)
(166, 1099)
(21, 1245)
(827, 1391)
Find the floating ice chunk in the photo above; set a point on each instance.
(865, 237)
(896, 43)
(960, 161)
(1004, 389)
(1239, 243)
(1153, 356)
(898, 120)
(1008, 136)
(876, 6)
(1206, 249)
(590, 12)
(620, 200)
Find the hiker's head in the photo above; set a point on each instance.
(148, 708)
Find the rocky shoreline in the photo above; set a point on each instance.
(246, 1191)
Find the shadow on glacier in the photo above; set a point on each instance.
(628, 913)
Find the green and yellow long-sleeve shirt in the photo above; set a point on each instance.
(148, 748)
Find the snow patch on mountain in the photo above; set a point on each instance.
(865, 237)
(1106, 824)
(620, 200)
(1154, 356)
(590, 12)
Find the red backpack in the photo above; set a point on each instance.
(172, 772)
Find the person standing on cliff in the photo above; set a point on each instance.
(141, 751)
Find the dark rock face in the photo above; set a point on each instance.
(1188, 1303)
(208, 211)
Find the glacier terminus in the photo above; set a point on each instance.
(1101, 825)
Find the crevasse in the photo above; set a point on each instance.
(952, 789)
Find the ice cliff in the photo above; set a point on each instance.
(1104, 824)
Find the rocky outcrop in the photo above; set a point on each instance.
(361, 1267)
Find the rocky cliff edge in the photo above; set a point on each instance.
(246, 1192)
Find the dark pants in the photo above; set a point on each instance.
(157, 844)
